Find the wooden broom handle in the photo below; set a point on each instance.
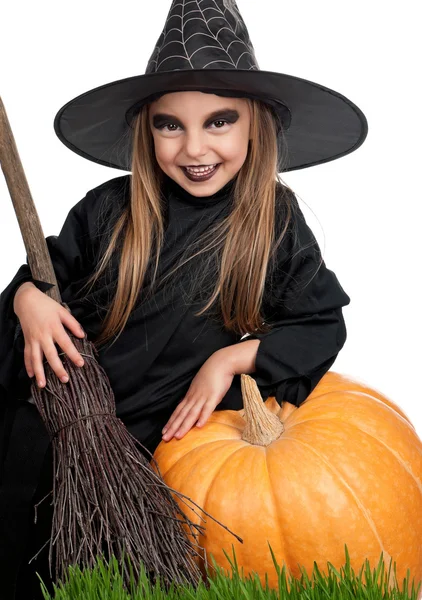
(39, 259)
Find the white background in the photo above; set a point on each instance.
(363, 208)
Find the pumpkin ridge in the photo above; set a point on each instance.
(386, 405)
(346, 485)
(215, 419)
(397, 456)
(217, 473)
(208, 444)
(335, 418)
(182, 456)
(287, 558)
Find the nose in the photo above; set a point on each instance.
(196, 144)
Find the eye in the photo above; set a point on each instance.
(164, 126)
(220, 121)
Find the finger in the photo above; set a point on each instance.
(175, 415)
(206, 412)
(191, 412)
(188, 422)
(171, 427)
(179, 414)
(68, 347)
(71, 323)
(37, 364)
(54, 361)
(27, 360)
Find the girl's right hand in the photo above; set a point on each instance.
(42, 320)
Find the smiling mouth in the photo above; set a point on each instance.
(204, 176)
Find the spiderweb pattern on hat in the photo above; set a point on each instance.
(206, 29)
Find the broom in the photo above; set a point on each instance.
(106, 496)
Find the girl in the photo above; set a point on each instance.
(192, 269)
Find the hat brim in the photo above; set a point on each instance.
(320, 124)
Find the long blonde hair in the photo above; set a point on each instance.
(244, 242)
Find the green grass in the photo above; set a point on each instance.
(105, 582)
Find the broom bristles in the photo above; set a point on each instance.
(107, 498)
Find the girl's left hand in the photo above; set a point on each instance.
(206, 391)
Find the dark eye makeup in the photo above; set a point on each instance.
(216, 121)
(161, 120)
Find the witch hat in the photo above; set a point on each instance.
(205, 46)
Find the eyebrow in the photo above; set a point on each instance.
(161, 118)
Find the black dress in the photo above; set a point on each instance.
(162, 347)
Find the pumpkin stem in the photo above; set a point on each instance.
(262, 426)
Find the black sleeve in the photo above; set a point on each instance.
(303, 303)
(73, 254)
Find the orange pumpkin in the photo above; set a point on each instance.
(343, 468)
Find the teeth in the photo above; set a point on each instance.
(201, 169)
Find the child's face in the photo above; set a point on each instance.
(189, 136)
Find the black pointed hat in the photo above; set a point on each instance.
(205, 46)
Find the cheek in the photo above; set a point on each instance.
(235, 148)
(164, 151)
